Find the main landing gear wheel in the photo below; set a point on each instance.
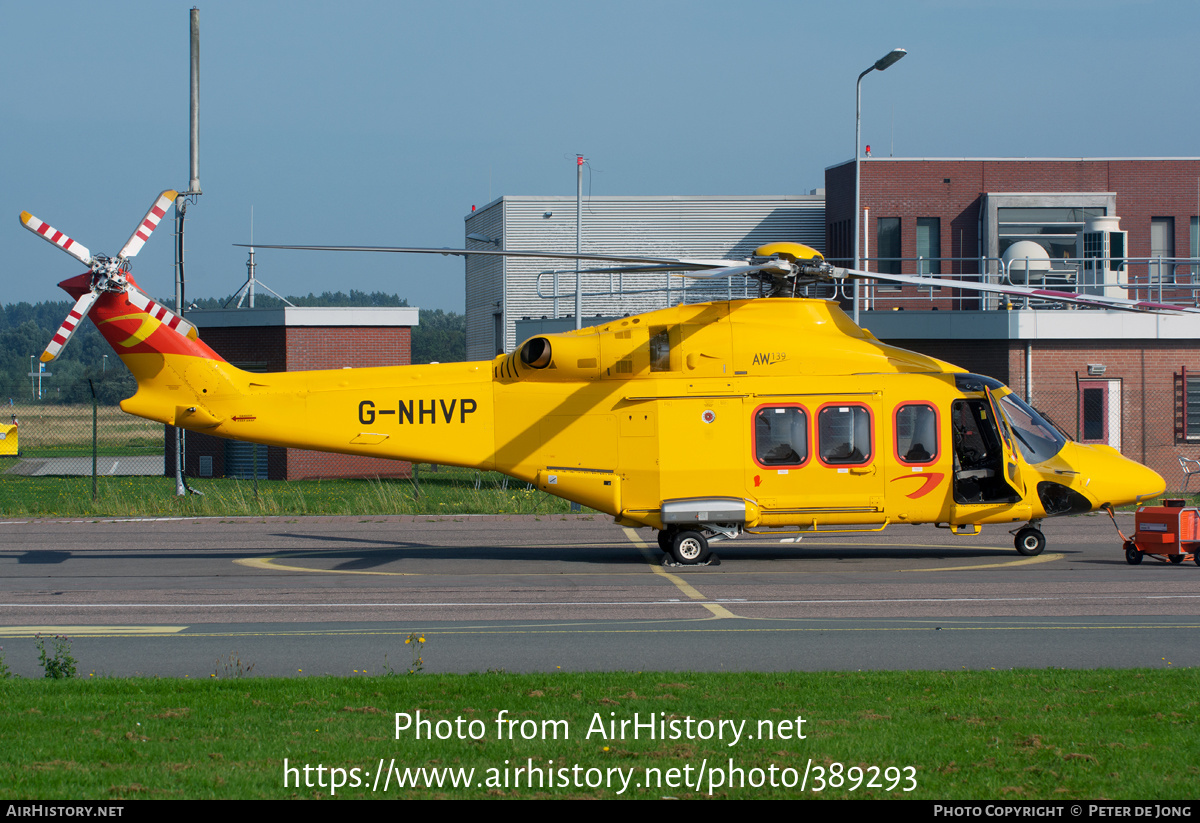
(665, 539)
(1132, 555)
(689, 548)
(1030, 542)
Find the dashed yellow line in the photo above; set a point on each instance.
(686, 588)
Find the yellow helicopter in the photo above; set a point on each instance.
(703, 421)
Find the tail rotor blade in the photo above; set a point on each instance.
(68, 327)
(53, 235)
(149, 223)
(164, 315)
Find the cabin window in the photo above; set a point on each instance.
(781, 436)
(916, 434)
(844, 433)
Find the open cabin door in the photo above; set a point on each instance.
(986, 471)
(1012, 465)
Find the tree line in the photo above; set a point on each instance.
(26, 329)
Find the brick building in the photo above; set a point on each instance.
(296, 339)
(1104, 376)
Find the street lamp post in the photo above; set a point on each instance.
(882, 63)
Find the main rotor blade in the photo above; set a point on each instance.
(780, 267)
(612, 258)
(1098, 300)
(68, 327)
(53, 235)
(149, 223)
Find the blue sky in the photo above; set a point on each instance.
(382, 123)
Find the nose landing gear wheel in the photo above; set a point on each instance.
(689, 548)
(1132, 555)
(1030, 542)
(1176, 558)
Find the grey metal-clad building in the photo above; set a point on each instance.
(502, 292)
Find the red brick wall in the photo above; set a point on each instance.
(909, 189)
(326, 347)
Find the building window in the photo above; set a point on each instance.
(887, 246)
(1187, 403)
(929, 245)
(1054, 228)
(887, 251)
(1100, 412)
(844, 433)
(1194, 243)
(781, 436)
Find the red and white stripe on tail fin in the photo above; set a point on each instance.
(53, 235)
(149, 223)
(167, 317)
(68, 327)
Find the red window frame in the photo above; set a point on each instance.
(868, 457)
(808, 433)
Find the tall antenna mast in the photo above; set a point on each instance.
(247, 289)
(181, 202)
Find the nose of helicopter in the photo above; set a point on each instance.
(1111, 478)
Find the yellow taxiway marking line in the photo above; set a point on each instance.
(112, 631)
(677, 627)
(688, 590)
(270, 564)
(1024, 561)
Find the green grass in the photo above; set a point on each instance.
(50, 430)
(1015, 735)
(447, 491)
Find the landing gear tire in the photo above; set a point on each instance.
(1176, 558)
(689, 548)
(666, 539)
(1030, 542)
(1132, 555)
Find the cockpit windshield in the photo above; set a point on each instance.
(1037, 439)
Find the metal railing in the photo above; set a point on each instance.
(1169, 280)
